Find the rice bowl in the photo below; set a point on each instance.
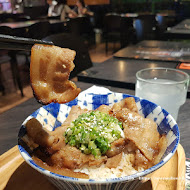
(54, 114)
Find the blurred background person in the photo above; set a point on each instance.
(81, 9)
(55, 8)
(60, 8)
(51, 8)
(66, 11)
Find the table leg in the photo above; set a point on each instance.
(2, 88)
(15, 71)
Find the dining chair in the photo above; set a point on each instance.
(112, 29)
(162, 25)
(81, 26)
(38, 30)
(67, 40)
(10, 56)
(3, 56)
(149, 26)
(128, 33)
(35, 12)
(138, 25)
(3, 59)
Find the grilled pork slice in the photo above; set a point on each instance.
(114, 161)
(142, 132)
(116, 147)
(126, 103)
(72, 158)
(105, 109)
(73, 114)
(38, 134)
(50, 68)
(52, 141)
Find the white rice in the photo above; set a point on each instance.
(124, 168)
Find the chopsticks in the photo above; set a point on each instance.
(18, 43)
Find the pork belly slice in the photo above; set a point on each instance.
(51, 140)
(114, 161)
(73, 114)
(72, 158)
(61, 171)
(38, 134)
(116, 147)
(105, 109)
(142, 131)
(162, 145)
(50, 69)
(141, 161)
(126, 103)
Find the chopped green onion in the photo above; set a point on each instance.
(93, 132)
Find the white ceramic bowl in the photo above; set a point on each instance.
(52, 115)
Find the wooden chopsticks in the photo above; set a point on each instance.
(18, 43)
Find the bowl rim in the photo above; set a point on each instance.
(135, 176)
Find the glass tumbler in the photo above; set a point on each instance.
(164, 86)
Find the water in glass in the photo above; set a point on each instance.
(168, 96)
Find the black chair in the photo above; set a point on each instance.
(161, 26)
(81, 26)
(10, 56)
(2, 60)
(149, 26)
(35, 12)
(66, 40)
(4, 56)
(112, 29)
(127, 31)
(38, 30)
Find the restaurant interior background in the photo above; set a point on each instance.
(112, 43)
(101, 44)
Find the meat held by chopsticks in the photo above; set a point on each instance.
(50, 68)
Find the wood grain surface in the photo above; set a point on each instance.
(171, 176)
(16, 174)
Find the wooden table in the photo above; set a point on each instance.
(183, 25)
(180, 31)
(163, 44)
(16, 25)
(157, 51)
(25, 24)
(20, 28)
(15, 173)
